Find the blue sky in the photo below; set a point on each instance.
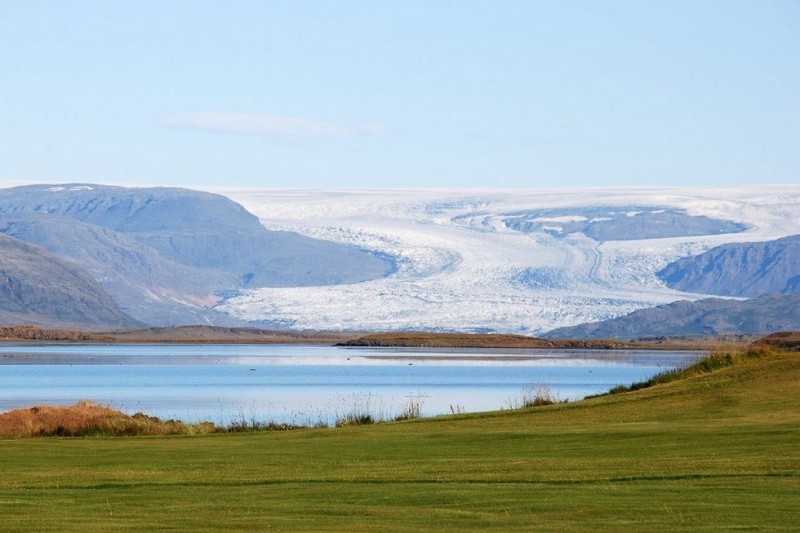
(348, 94)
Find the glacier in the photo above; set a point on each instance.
(510, 261)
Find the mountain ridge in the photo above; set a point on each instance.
(169, 255)
(706, 317)
(746, 269)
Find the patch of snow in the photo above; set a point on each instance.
(460, 268)
(56, 189)
(562, 220)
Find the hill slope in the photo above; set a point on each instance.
(146, 285)
(203, 230)
(711, 316)
(38, 288)
(167, 254)
(740, 269)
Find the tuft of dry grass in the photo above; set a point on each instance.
(89, 419)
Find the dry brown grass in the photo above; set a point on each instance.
(88, 419)
(786, 340)
(34, 333)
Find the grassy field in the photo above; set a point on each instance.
(718, 451)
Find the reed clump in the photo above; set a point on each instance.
(538, 395)
(411, 411)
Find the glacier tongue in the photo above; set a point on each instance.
(461, 267)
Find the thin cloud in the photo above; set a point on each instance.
(272, 126)
(373, 128)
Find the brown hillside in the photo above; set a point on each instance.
(787, 340)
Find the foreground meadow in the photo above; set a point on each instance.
(714, 451)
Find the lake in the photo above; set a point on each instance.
(308, 384)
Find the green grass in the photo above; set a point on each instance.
(715, 450)
(714, 361)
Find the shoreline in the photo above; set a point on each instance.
(248, 335)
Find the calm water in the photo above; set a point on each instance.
(307, 384)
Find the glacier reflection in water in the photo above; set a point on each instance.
(307, 384)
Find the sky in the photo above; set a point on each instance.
(385, 94)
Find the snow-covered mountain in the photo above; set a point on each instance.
(506, 261)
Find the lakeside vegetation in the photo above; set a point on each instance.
(715, 448)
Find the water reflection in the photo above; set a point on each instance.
(291, 383)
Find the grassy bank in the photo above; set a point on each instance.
(714, 450)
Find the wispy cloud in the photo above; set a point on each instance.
(272, 126)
